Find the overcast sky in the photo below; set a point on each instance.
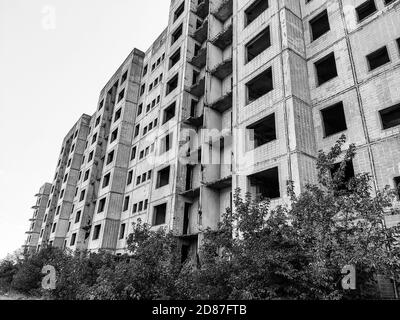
(55, 57)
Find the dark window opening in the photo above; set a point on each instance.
(259, 86)
(175, 58)
(365, 10)
(106, 180)
(86, 175)
(326, 69)
(348, 175)
(390, 116)
(78, 216)
(137, 130)
(122, 231)
(163, 177)
(189, 177)
(378, 58)
(334, 120)
(102, 205)
(169, 113)
(397, 186)
(82, 197)
(73, 239)
(176, 35)
(124, 77)
(319, 25)
(255, 9)
(179, 11)
(264, 130)
(110, 157)
(130, 178)
(140, 109)
(114, 135)
(172, 84)
(117, 114)
(185, 253)
(96, 232)
(267, 183)
(145, 69)
(160, 213)
(121, 95)
(186, 217)
(259, 44)
(126, 204)
(133, 154)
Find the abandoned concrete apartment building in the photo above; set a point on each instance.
(234, 93)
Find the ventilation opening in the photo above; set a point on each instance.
(177, 33)
(163, 177)
(267, 183)
(319, 25)
(259, 86)
(169, 113)
(326, 69)
(257, 8)
(264, 131)
(179, 11)
(390, 116)
(160, 213)
(334, 119)
(348, 175)
(172, 84)
(259, 44)
(365, 10)
(378, 58)
(175, 58)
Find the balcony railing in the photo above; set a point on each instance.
(224, 11)
(223, 70)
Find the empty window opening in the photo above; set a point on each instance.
(145, 69)
(140, 109)
(96, 232)
(114, 135)
(175, 58)
(86, 175)
(397, 186)
(186, 218)
(137, 130)
(102, 205)
(169, 113)
(267, 183)
(110, 157)
(163, 177)
(348, 174)
(97, 121)
(78, 216)
(73, 239)
(326, 69)
(390, 117)
(54, 228)
(259, 86)
(106, 180)
(189, 177)
(121, 95)
(118, 115)
(259, 44)
(166, 143)
(179, 11)
(160, 213)
(378, 58)
(255, 9)
(82, 197)
(319, 25)
(133, 153)
(333, 119)
(124, 77)
(130, 178)
(365, 10)
(122, 231)
(126, 204)
(264, 131)
(177, 34)
(172, 84)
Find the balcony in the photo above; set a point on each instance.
(223, 70)
(200, 35)
(224, 11)
(223, 39)
(195, 121)
(202, 9)
(200, 59)
(198, 88)
(220, 183)
(191, 194)
(223, 103)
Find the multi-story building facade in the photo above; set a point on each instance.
(233, 94)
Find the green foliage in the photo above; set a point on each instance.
(293, 251)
